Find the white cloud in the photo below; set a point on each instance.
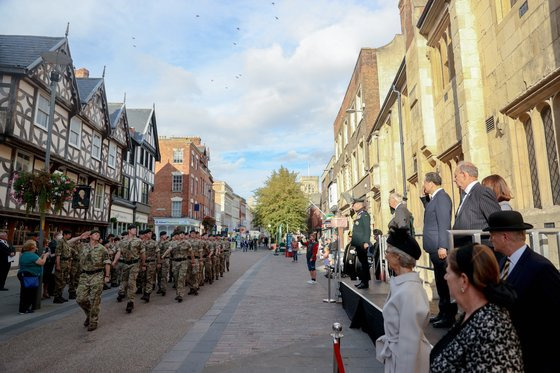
(294, 69)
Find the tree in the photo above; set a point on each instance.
(281, 203)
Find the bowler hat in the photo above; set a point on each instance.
(505, 221)
(403, 241)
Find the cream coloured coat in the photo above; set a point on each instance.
(404, 347)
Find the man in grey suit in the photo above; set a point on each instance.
(477, 204)
(437, 220)
(403, 217)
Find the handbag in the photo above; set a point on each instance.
(31, 282)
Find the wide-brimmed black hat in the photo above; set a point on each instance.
(505, 221)
(403, 241)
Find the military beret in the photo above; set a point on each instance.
(94, 230)
(162, 233)
(131, 226)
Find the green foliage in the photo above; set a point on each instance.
(281, 202)
(41, 189)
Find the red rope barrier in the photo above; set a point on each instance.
(338, 357)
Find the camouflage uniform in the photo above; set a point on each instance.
(131, 249)
(222, 258)
(163, 272)
(207, 261)
(64, 251)
(93, 260)
(152, 254)
(227, 252)
(180, 252)
(75, 269)
(193, 267)
(215, 260)
(112, 250)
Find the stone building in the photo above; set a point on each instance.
(223, 202)
(183, 193)
(85, 146)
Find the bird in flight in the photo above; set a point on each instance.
(276, 17)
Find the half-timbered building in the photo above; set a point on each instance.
(130, 201)
(85, 146)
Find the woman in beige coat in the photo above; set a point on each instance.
(404, 347)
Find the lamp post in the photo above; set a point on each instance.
(58, 62)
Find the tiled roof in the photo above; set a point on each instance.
(87, 86)
(20, 51)
(138, 118)
(114, 112)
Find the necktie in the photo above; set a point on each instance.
(505, 270)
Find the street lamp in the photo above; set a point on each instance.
(58, 63)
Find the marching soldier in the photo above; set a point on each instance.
(114, 271)
(152, 262)
(193, 266)
(75, 269)
(222, 257)
(63, 264)
(180, 254)
(163, 271)
(131, 251)
(95, 264)
(227, 251)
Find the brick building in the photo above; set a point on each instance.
(183, 193)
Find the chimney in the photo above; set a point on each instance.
(82, 73)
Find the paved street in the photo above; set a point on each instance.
(262, 316)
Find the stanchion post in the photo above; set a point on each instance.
(329, 299)
(336, 334)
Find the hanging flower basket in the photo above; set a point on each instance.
(41, 189)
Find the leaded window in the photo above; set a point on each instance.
(177, 183)
(533, 164)
(43, 109)
(552, 154)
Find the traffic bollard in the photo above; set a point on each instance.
(338, 366)
(329, 299)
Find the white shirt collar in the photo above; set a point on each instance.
(470, 186)
(514, 258)
(434, 193)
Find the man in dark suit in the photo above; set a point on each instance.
(7, 252)
(536, 280)
(477, 203)
(437, 221)
(402, 218)
(361, 233)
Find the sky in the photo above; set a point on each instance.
(259, 81)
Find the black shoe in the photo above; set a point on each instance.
(72, 296)
(146, 298)
(92, 327)
(120, 297)
(436, 318)
(159, 291)
(86, 323)
(443, 323)
(358, 285)
(114, 284)
(129, 307)
(163, 293)
(179, 298)
(139, 291)
(363, 286)
(58, 300)
(191, 292)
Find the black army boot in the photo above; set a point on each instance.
(86, 323)
(120, 297)
(129, 307)
(163, 293)
(179, 298)
(146, 297)
(72, 296)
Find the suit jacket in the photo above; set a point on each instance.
(437, 220)
(5, 251)
(401, 219)
(361, 231)
(536, 311)
(480, 203)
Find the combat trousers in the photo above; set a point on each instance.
(192, 275)
(208, 269)
(116, 273)
(61, 278)
(227, 261)
(163, 274)
(75, 272)
(150, 277)
(128, 281)
(180, 274)
(222, 264)
(216, 267)
(89, 295)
